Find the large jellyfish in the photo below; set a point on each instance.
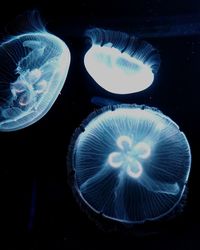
(33, 69)
(129, 163)
(120, 63)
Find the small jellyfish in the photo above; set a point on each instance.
(129, 163)
(33, 69)
(120, 63)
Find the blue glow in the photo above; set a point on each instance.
(33, 70)
(131, 163)
(129, 155)
(120, 64)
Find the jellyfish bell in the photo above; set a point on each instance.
(33, 70)
(119, 63)
(129, 163)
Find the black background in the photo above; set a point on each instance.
(38, 209)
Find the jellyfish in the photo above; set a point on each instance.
(119, 63)
(33, 69)
(129, 163)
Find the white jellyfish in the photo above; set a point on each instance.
(129, 163)
(33, 69)
(120, 63)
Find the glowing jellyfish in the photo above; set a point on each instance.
(119, 63)
(33, 69)
(129, 163)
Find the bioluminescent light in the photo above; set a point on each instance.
(119, 63)
(33, 69)
(129, 163)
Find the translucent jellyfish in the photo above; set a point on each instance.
(33, 69)
(120, 63)
(129, 163)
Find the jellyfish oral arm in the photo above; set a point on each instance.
(129, 155)
(135, 171)
(124, 142)
(143, 150)
(115, 160)
(159, 187)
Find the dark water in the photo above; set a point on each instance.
(38, 209)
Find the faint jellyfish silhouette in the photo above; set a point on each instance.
(129, 163)
(120, 63)
(33, 70)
